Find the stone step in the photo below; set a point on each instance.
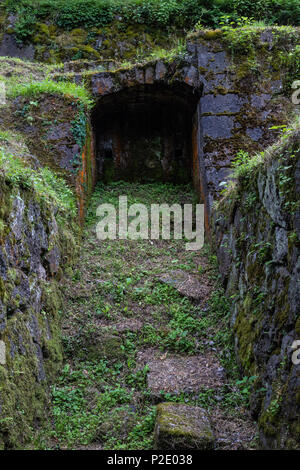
(180, 427)
(186, 284)
(175, 374)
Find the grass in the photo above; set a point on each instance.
(43, 181)
(106, 403)
(163, 54)
(36, 88)
(80, 418)
(7, 136)
(167, 55)
(16, 72)
(32, 80)
(246, 167)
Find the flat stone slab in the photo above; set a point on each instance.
(175, 374)
(180, 427)
(128, 324)
(101, 345)
(186, 284)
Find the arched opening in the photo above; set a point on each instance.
(145, 134)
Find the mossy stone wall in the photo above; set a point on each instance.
(257, 238)
(37, 245)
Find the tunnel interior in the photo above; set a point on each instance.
(144, 134)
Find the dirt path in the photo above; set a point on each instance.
(145, 322)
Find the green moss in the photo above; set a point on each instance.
(246, 334)
(104, 345)
(42, 34)
(211, 35)
(270, 419)
(79, 35)
(89, 52)
(180, 427)
(25, 379)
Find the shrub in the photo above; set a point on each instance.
(70, 14)
(77, 13)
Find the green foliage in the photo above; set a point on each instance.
(77, 13)
(6, 136)
(286, 179)
(79, 131)
(70, 14)
(245, 166)
(79, 126)
(244, 163)
(72, 420)
(177, 52)
(138, 379)
(36, 88)
(25, 25)
(78, 415)
(46, 184)
(291, 62)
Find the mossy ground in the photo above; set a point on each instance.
(103, 401)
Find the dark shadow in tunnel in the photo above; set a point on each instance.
(144, 133)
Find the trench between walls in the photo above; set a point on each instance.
(146, 133)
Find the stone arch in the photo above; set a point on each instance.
(146, 126)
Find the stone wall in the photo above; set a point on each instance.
(50, 44)
(241, 86)
(242, 94)
(242, 81)
(257, 238)
(58, 134)
(37, 243)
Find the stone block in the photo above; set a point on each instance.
(230, 103)
(260, 101)
(102, 346)
(181, 427)
(255, 133)
(217, 127)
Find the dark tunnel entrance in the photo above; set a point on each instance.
(144, 134)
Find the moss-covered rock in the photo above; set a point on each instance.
(117, 424)
(100, 345)
(180, 427)
(30, 297)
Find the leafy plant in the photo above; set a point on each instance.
(71, 14)
(36, 88)
(46, 184)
